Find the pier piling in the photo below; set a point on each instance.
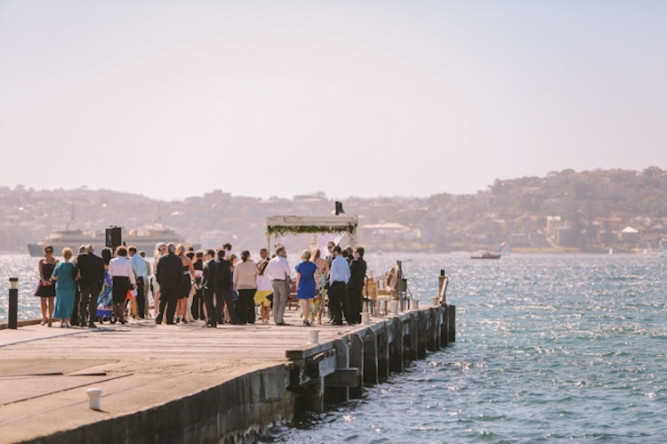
(370, 357)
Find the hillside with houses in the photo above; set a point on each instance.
(589, 211)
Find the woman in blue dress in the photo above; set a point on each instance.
(306, 286)
(65, 289)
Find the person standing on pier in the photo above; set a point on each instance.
(321, 279)
(186, 283)
(208, 287)
(169, 274)
(77, 288)
(355, 286)
(339, 275)
(330, 256)
(306, 286)
(245, 282)
(91, 279)
(195, 300)
(122, 278)
(263, 256)
(45, 289)
(147, 283)
(223, 289)
(65, 288)
(279, 272)
(160, 250)
(264, 294)
(141, 271)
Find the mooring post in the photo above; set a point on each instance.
(12, 316)
(370, 357)
(356, 345)
(441, 282)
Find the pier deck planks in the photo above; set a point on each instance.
(44, 372)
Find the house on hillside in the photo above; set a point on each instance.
(629, 235)
(390, 231)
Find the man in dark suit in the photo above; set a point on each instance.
(169, 274)
(208, 286)
(355, 285)
(223, 289)
(91, 278)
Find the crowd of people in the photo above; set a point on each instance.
(215, 286)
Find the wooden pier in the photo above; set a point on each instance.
(186, 383)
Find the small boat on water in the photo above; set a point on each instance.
(486, 255)
(503, 249)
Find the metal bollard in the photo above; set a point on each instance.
(12, 317)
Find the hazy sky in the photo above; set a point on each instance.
(176, 98)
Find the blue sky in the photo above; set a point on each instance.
(366, 98)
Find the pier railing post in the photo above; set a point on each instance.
(12, 316)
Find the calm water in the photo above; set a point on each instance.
(549, 347)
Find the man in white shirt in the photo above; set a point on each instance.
(339, 275)
(279, 272)
(122, 279)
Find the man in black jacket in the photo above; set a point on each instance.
(355, 285)
(208, 286)
(169, 274)
(223, 289)
(91, 278)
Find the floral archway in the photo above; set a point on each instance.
(282, 225)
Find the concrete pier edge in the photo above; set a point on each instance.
(316, 376)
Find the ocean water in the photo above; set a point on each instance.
(549, 348)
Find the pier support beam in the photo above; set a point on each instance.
(433, 343)
(336, 393)
(405, 328)
(383, 352)
(421, 334)
(414, 335)
(396, 345)
(444, 326)
(370, 357)
(356, 346)
(452, 323)
(312, 396)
